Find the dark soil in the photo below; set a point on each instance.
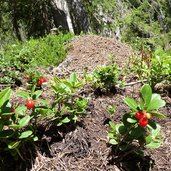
(84, 146)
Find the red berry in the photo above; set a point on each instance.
(39, 82)
(143, 122)
(140, 114)
(30, 104)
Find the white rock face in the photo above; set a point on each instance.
(62, 5)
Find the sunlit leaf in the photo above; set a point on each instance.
(25, 134)
(131, 103)
(23, 94)
(24, 121)
(5, 96)
(146, 93)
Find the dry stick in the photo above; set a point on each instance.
(133, 83)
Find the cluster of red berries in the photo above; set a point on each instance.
(41, 80)
(143, 118)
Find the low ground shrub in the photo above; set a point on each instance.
(138, 129)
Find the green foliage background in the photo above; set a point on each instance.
(137, 22)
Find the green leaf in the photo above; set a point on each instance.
(25, 134)
(23, 94)
(5, 96)
(113, 142)
(158, 115)
(112, 125)
(37, 94)
(75, 118)
(24, 121)
(148, 139)
(141, 104)
(73, 78)
(66, 120)
(156, 102)
(20, 110)
(156, 132)
(153, 145)
(35, 138)
(130, 120)
(13, 145)
(110, 135)
(146, 93)
(131, 103)
(15, 126)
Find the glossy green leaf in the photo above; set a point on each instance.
(66, 120)
(35, 138)
(156, 132)
(131, 103)
(148, 139)
(153, 145)
(20, 110)
(113, 142)
(111, 135)
(24, 121)
(25, 134)
(146, 93)
(15, 126)
(130, 120)
(156, 102)
(5, 96)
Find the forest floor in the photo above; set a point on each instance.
(84, 146)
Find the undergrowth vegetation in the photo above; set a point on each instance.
(152, 67)
(65, 104)
(21, 56)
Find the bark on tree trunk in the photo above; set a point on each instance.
(15, 22)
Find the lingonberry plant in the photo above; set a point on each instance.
(68, 104)
(138, 129)
(18, 122)
(15, 128)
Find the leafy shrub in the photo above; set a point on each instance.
(68, 104)
(19, 122)
(15, 126)
(107, 77)
(138, 129)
